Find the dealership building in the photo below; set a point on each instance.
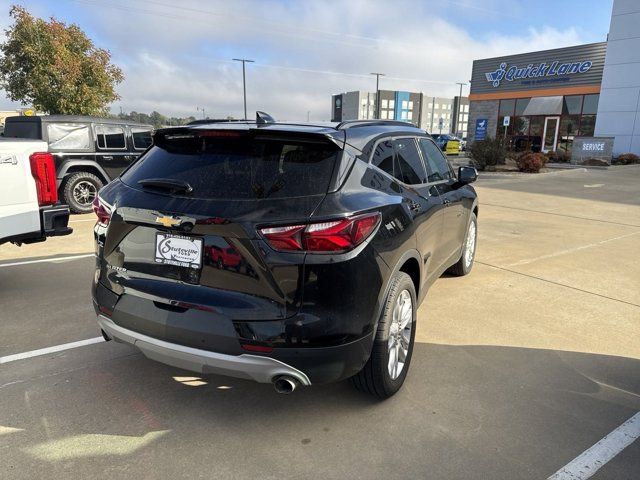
(545, 101)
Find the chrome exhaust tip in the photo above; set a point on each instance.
(284, 384)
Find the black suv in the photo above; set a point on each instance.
(88, 151)
(292, 254)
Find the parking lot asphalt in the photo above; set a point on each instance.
(518, 368)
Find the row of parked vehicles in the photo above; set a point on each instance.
(71, 158)
(291, 254)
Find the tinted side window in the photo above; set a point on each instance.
(437, 165)
(383, 157)
(408, 162)
(141, 138)
(110, 137)
(21, 129)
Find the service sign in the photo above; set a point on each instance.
(592, 149)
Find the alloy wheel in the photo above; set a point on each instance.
(400, 334)
(470, 245)
(84, 192)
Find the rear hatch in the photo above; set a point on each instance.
(183, 227)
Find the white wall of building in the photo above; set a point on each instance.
(618, 109)
(433, 109)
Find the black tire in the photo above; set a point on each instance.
(76, 181)
(375, 378)
(462, 267)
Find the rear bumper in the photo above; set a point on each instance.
(54, 221)
(252, 367)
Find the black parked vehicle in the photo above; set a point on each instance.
(88, 151)
(337, 232)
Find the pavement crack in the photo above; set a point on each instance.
(561, 215)
(557, 283)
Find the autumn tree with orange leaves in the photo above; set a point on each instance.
(55, 67)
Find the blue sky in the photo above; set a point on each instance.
(176, 54)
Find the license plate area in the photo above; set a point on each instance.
(178, 250)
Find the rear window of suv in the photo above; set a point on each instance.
(238, 166)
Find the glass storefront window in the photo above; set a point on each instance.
(535, 133)
(507, 108)
(521, 125)
(590, 106)
(572, 105)
(568, 130)
(588, 125)
(521, 141)
(521, 104)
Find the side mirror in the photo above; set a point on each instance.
(467, 175)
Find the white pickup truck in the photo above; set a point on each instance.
(29, 207)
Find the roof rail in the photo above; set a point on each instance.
(372, 123)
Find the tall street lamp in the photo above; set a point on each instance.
(378, 75)
(244, 81)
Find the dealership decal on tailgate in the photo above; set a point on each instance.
(178, 250)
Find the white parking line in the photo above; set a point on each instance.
(42, 260)
(83, 220)
(54, 349)
(591, 460)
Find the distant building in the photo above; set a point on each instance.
(15, 113)
(437, 114)
(353, 106)
(422, 110)
(460, 124)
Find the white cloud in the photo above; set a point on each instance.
(177, 59)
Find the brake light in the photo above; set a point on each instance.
(331, 236)
(43, 170)
(102, 211)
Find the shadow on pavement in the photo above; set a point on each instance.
(464, 412)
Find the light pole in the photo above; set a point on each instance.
(244, 81)
(457, 118)
(378, 75)
(198, 109)
(308, 115)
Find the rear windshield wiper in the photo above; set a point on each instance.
(168, 184)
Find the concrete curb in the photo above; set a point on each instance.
(522, 175)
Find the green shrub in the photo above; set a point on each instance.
(487, 152)
(628, 159)
(531, 162)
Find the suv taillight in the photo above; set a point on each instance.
(43, 170)
(102, 211)
(339, 235)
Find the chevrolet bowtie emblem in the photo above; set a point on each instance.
(168, 221)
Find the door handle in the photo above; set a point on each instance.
(107, 157)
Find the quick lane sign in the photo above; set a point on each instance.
(532, 71)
